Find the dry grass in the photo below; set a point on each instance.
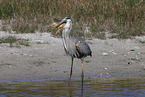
(125, 17)
(14, 42)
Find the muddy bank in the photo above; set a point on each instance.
(46, 59)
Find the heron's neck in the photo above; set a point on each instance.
(66, 38)
(66, 30)
(65, 33)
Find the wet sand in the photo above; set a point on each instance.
(45, 58)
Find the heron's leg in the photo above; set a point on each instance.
(82, 60)
(71, 67)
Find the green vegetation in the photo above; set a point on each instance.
(142, 41)
(42, 43)
(14, 42)
(125, 17)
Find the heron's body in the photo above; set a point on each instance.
(76, 47)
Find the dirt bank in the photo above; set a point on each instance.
(46, 59)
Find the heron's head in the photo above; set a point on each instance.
(64, 23)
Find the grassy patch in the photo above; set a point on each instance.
(125, 17)
(14, 42)
(42, 43)
(142, 41)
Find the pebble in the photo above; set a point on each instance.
(105, 54)
(114, 53)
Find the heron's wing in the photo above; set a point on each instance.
(82, 49)
(71, 47)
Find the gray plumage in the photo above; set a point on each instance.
(83, 49)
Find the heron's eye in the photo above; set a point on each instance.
(65, 20)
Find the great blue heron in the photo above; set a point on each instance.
(76, 47)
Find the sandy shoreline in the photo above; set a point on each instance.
(46, 59)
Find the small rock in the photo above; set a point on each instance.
(9, 66)
(105, 54)
(114, 53)
(134, 59)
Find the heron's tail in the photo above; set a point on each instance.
(91, 54)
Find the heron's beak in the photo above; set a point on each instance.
(59, 25)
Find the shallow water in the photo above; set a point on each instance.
(128, 86)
